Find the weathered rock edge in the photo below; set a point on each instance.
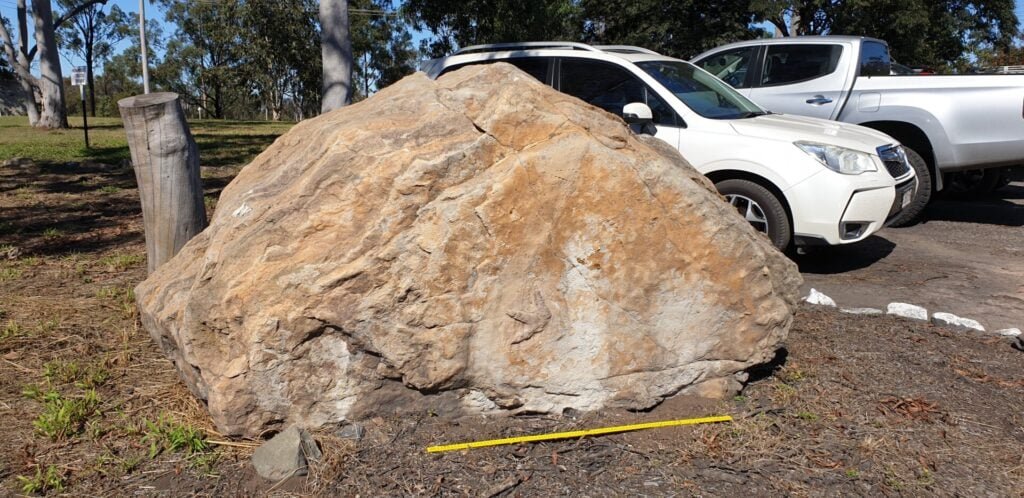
(483, 240)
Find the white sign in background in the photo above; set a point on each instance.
(78, 76)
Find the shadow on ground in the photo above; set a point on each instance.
(1002, 207)
(72, 208)
(842, 259)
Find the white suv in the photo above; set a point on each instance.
(800, 180)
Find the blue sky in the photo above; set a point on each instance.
(153, 11)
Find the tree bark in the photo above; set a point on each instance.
(89, 35)
(51, 79)
(166, 163)
(336, 54)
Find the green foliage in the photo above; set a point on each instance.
(679, 29)
(281, 56)
(121, 262)
(63, 417)
(9, 274)
(167, 435)
(92, 35)
(51, 480)
(52, 233)
(382, 48)
(61, 372)
(471, 22)
(204, 59)
(939, 33)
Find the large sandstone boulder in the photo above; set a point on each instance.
(481, 239)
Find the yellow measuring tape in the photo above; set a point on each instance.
(577, 434)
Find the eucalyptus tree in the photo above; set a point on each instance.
(92, 35)
(336, 54)
(939, 33)
(281, 55)
(44, 94)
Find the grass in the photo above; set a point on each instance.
(121, 262)
(168, 435)
(87, 394)
(221, 143)
(41, 482)
(63, 417)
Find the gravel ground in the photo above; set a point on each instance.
(965, 258)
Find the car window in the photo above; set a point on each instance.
(700, 91)
(534, 66)
(786, 64)
(611, 87)
(874, 59)
(730, 66)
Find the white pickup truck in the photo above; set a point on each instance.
(949, 124)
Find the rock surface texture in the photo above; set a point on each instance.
(481, 239)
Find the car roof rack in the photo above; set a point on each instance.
(625, 49)
(525, 46)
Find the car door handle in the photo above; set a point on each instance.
(819, 100)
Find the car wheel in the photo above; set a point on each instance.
(971, 183)
(912, 213)
(760, 208)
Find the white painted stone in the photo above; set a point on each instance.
(956, 322)
(861, 311)
(905, 310)
(1011, 332)
(820, 299)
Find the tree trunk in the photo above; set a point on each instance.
(166, 163)
(31, 108)
(336, 54)
(89, 78)
(51, 79)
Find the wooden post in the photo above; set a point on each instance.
(166, 163)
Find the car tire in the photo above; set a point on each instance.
(973, 183)
(760, 207)
(912, 213)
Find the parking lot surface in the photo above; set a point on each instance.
(966, 257)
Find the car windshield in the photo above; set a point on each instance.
(700, 91)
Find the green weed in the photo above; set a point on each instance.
(7, 274)
(10, 330)
(51, 480)
(61, 372)
(121, 262)
(63, 417)
(808, 416)
(166, 434)
(110, 189)
(52, 233)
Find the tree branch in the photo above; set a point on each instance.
(74, 12)
(19, 66)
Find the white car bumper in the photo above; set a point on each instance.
(832, 209)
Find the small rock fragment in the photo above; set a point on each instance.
(956, 322)
(820, 299)
(285, 455)
(352, 431)
(905, 310)
(1011, 332)
(861, 311)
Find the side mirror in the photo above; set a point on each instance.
(639, 117)
(637, 113)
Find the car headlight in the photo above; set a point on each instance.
(839, 159)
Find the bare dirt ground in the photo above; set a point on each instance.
(854, 406)
(965, 258)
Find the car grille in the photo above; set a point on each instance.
(894, 159)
